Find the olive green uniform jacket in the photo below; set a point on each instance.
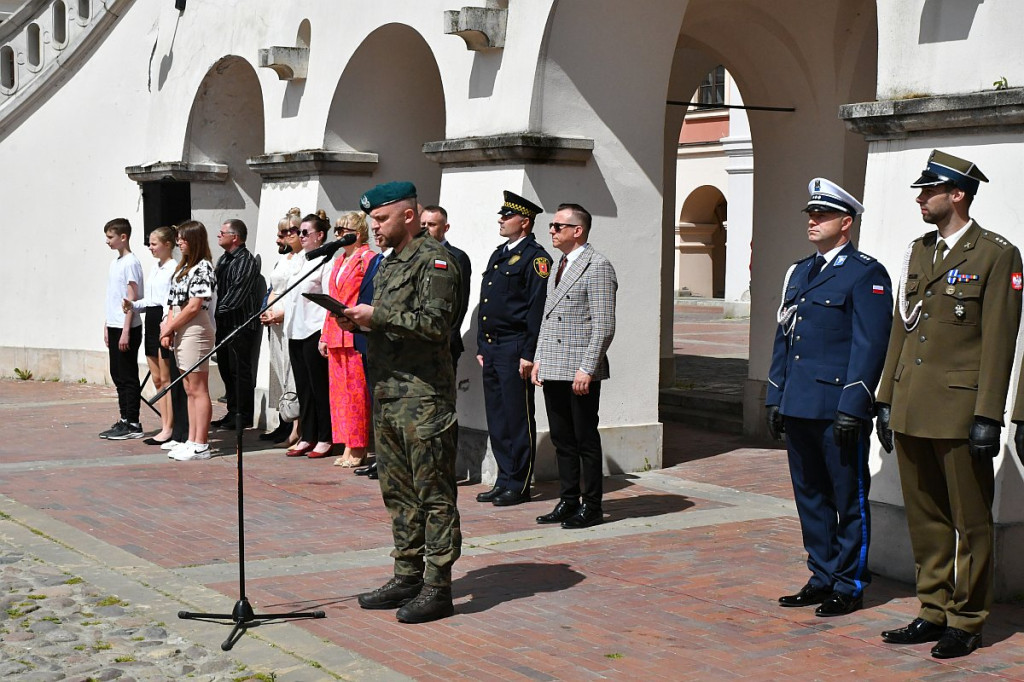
(956, 363)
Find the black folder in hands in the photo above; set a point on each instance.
(333, 305)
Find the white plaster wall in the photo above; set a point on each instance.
(63, 180)
(932, 47)
(894, 220)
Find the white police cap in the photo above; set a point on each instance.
(827, 196)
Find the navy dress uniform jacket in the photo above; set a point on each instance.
(832, 358)
(512, 295)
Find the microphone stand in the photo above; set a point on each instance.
(242, 615)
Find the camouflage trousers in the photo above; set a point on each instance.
(415, 440)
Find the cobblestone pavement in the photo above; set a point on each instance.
(56, 626)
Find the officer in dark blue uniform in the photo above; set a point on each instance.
(512, 297)
(830, 345)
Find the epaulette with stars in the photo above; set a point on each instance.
(995, 238)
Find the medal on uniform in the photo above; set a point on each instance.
(952, 276)
(513, 260)
(950, 290)
(959, 311)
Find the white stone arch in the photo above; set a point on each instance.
(389, 101)
(225, 128)
(605, 72)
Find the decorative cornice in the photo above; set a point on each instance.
(180, 171)
(510, 148)
(312, 162)
(900, 118)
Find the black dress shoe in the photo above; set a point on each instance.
(372, 474)
(918, 632)
(809, 595)
(839, 604)
(366, 470)
(586, 517)
(955, 643)
(279, 434)
(509, 498)
(490, 494)
(562, 511)
(223, 420)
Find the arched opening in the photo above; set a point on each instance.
(34, 45)
(389, 101)
(226, 127)
(700, 235)
(8, 70)
(60, 24)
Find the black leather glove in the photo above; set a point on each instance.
(846, 431)
(882, 430)
(774, 420)
(1018, 441)
(984, 438)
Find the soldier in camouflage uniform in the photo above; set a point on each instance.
(416, 297)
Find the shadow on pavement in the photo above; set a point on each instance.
(487, 587)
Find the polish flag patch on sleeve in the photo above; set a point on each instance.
(440, 264)
(877, 289)
(1017, 280)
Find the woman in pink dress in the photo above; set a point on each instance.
(350, 405)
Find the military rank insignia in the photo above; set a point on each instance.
(514, 259)
(542, 266)
(1017, 280)
(440, 264)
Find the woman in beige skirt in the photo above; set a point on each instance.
(189, 328)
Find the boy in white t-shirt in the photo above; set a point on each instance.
(122, 332)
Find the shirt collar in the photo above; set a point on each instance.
(952, 239)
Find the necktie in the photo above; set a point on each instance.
(561, 269)
(940, 251)
(819, 263)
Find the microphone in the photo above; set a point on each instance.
(330, 248)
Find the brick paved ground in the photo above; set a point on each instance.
(679, 584)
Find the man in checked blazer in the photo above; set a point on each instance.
(571, 361)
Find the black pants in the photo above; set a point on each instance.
(573, 421)
(179, 399)
(124, 371)
(310, 370)
(235, 363)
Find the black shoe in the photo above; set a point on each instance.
(490, 494)
(918, 632)
(117, 428)
(587, 516)
(510, 498)
(839, 604)
(229, 417)
(398, 591)
(563, 510)
(372, 473)
(279, 434)
(955, 643)
(128, 431)
(809, 595)
(432, 603)
(366, 470)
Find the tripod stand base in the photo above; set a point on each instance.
(243, 617)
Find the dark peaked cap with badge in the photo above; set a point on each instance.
(827, 196)
(517, 205)
(387, 193)
(943, 168)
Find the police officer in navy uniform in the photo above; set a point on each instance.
(834, 322)
(512, 297)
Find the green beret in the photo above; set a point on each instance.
(385, 194)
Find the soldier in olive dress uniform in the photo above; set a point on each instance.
(942, 397)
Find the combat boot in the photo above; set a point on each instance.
(398, 591)
(432, 603)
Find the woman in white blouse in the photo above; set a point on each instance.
(158, 285)
(281, 379)
(190, 327)
(303, 322)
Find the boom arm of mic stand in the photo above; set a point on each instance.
(227, 339)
